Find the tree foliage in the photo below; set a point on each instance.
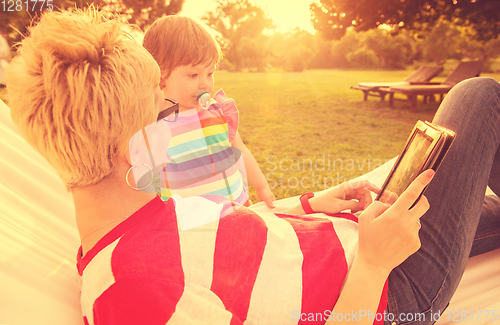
(373, 49)
(237, 21)
(333, 17)
(142, 13)
(293, 50)
(442, 42)
(393, 52)
(341, 48)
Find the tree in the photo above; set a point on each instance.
(442, 42)
(475, 49)
(236, 20)
(292, 50)
(301, 48)
(142, 13)
(363, 58)
(373, 48)
(322, 59)
(350, 42)
(393, 52)
(254, 52)
(333, 17)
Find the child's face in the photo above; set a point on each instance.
(185, 81)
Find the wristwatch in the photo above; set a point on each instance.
(304, 201)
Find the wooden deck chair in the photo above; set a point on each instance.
(464, 70)
(422, 75)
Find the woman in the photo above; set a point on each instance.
(80, 88)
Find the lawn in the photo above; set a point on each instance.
(310, 131)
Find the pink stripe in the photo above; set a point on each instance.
(348, 216)
(382, 306)
(157, 243)
(211, 121)
(146, 264)
(236, 266)
(324, 266)
(138, 300)
(179, 129)
(235, 321)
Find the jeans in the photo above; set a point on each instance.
(460, 221)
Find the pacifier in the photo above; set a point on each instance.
(203, 97)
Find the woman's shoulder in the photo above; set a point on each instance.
(132, 236)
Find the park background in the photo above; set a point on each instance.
(290, 64)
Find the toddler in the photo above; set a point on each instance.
(187, 55)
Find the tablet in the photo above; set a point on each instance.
(425, 149)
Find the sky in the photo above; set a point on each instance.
(286, 14)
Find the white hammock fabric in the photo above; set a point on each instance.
(38, 244)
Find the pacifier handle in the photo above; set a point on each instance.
(203, 97)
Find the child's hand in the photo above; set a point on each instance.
(265, 194)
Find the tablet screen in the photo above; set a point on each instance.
(408, 168)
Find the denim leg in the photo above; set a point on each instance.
(488, 230)
(426, 281)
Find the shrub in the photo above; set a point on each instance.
(363, 58)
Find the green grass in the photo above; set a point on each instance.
(309, 130)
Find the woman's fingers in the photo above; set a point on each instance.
(367, 200)
(389, 234)
(373, 211)
(419, 209)
(364, 199)
(355, 185)
(342, 205)
(357, 190)
(411, 194)
(356, 195)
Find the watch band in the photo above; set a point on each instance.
(304, 201)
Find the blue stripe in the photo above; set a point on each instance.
(198, 144)
(224, 191)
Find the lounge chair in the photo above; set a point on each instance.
(39, 241)
(464, 70)
(422, 75)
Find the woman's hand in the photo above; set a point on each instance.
(388, 235)
(353, 195)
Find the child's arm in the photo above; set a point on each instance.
(255, 176)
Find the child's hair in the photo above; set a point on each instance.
(178, 41)
(79, 88)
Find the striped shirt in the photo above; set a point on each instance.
(243, 268)
(200, 157)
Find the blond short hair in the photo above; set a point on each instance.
(79, 88)
(179, 41)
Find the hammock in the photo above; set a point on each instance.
(38, 244)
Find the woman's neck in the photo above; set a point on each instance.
(102, 206)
